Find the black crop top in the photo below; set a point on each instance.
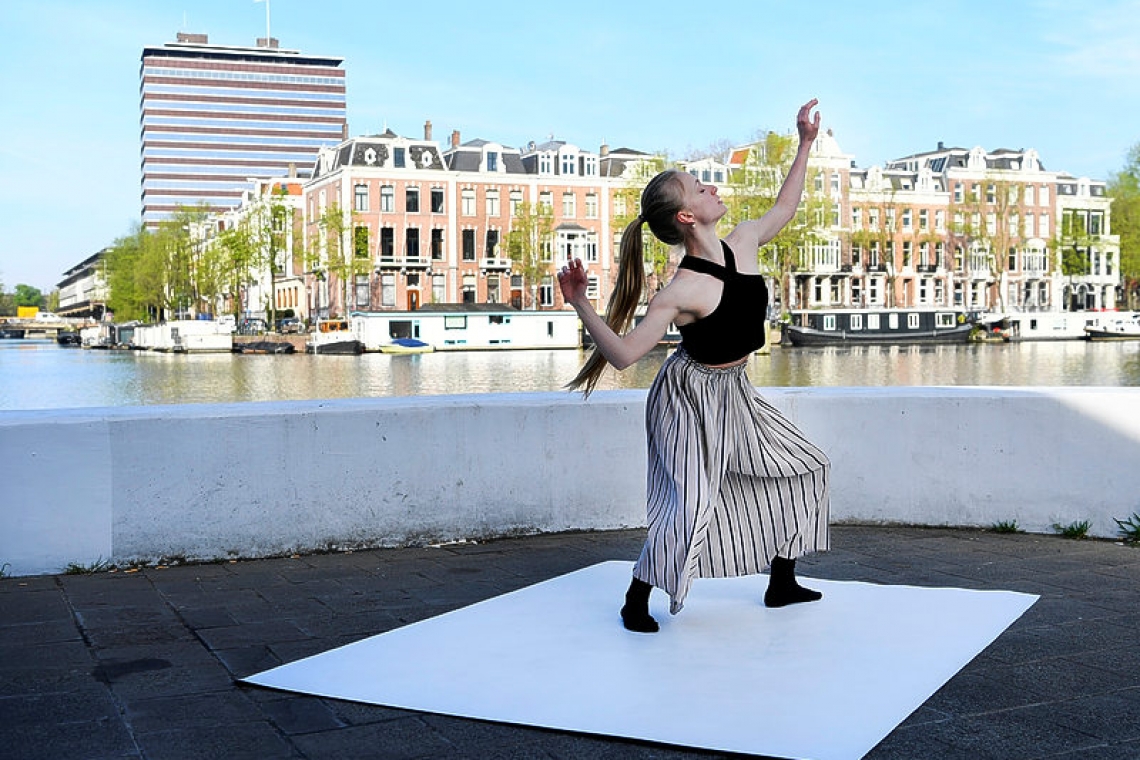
(735, 328)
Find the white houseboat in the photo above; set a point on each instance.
(467, 327)
(835, 327)
(1044, 325)
(334, 336)
(184, 336)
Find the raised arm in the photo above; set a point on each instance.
(750, 235)
(619, 350)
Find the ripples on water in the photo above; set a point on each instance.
(41, 375)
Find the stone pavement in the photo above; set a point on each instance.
(142, 664)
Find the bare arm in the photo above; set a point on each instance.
(619, 350)
(750, 235)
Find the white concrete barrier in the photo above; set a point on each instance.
(205, 482)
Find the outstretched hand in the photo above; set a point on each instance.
(572, 281)
(807, 126)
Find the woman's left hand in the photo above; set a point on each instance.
(807, 126)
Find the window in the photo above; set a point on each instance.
(590, 166)
(546, 198)
(438, 288)
(388, 290)
(857, 218)
(569, 206)
(873, 218)
(493, 202)
(906, 253)
(892, 321)
(907, 219)
(856, 321)
(546, 292)
(958, 192)
(363, 292)
(828, 321)
(492, 243)
(1030, 225)
(944, 319)
(360, 242)
(991, 194)
(545, 164)
(412, 200)
(360, 198)
(412, 242)
(437, 200)
(1096, 222)
(387, 199)
(591, 206)
(592, 291)
(1012, 262)
(923, 219)
(891, 219)
(492, 161)
(437, 245)
(470, 290)
(940, 221)
(835, 183)
(387, 243)
(873, 319)
(568, 165)
(1043, 200)
(398, 157)
(468, 245)
(516, 199)
(467, 199)
(1043, 226)
(494, 283)
(591, 247)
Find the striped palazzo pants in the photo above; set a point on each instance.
(732, 483)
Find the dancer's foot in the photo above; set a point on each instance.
(783, 588)
(635, 614)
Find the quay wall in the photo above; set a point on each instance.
(210, 482)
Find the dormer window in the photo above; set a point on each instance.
(492, 161)
(545, 164)
(568, 165)
(399, 158)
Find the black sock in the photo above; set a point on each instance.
(783, 588)
(635, 614)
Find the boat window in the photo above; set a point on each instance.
(872, 321)
(944, 319)
(829, 322)
(499, 319)
(455, 322)
(912, 321)
(893, 321)
(856, 321)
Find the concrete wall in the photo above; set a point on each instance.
(248, 480)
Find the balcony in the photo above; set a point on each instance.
(495, 265)
(385, 263)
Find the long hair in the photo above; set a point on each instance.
(662, 198)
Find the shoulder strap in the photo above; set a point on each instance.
(704, 266)
(729, 258)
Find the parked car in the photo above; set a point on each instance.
(289, 325)
(252, 326)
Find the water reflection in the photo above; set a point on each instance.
(41, 375)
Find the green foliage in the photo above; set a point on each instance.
(1124, 189)
(1006, 526)
(1076, 529)
(26, 295)
(530, 231)
(655, 254)
(1129, 529)
(77, 568)
(335, 254)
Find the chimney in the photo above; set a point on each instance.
(292, 170)
(604, 150)
(941, 146)
(194, 39)
(427, 129)
(268, 42)
(455, 138)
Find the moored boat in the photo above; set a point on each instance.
(468, 327)
(406, 346)
(834, 327)
(333, 336)
(1120, 328)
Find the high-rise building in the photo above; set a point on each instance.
(215, 117)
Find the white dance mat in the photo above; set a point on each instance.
(822, 680)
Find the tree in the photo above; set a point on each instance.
(627, 204)
(754, 188)
(527, 239)
(26, 295)
(338, 258)
(1124, 189)
(136, 280)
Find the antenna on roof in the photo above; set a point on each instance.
(267, 34)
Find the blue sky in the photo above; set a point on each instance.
(893, 78)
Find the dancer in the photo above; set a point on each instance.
(733, 486)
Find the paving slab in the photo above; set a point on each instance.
(143, 664)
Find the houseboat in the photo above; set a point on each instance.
(466, 327)
(333, 336)
(1116, 327)
(835, 327)
(1045, 325)
(184, 336)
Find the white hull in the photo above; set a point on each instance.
(186, 336)
(473, 330)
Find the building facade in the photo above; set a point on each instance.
(214, 117)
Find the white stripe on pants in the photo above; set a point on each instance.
(732, 483)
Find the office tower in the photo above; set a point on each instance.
(214, 117)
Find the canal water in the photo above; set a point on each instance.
(41, 375)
